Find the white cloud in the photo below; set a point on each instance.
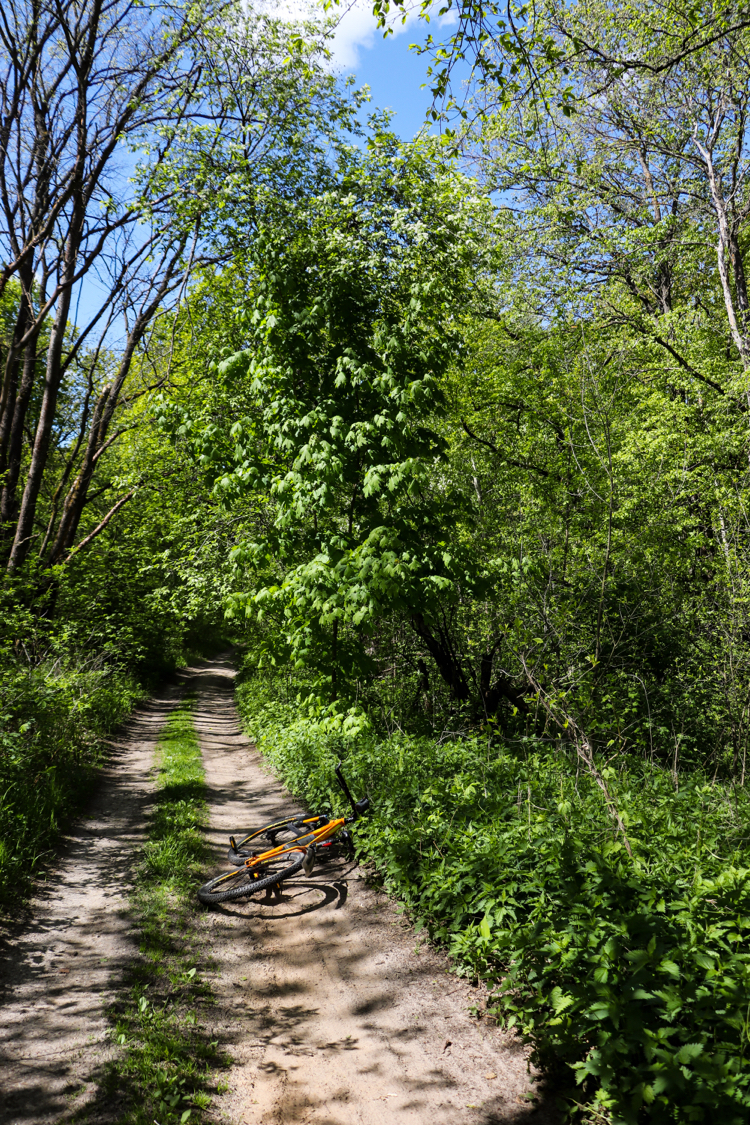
(357, 27)
(357, 30)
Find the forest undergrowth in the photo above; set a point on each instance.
(630, 976)
(53, 718)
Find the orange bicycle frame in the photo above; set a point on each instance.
(301, 844)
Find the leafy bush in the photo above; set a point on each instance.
(631, 974)
(51, 723)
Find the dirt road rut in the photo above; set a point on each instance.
(58, 971)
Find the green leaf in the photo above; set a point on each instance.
(560, 1001)
(689, 1052)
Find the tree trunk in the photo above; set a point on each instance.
(502, 688)
(75, 500)
(440, 650)
(9, 498)
(9, 392)
(53, 376)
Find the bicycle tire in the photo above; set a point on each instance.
(244, 881)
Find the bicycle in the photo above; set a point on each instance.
(254, 871)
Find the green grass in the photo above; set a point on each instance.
(167, 1070)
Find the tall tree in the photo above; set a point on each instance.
(323, 420)
(77, 84)
(124, 130)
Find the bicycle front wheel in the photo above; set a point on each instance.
(243, 881)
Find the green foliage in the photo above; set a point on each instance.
(516, 51)
(325, 415)
(607, 511)
(166, 1069)
(634, 974)
(52, 718)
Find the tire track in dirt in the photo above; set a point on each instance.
(330, 1011)
(60, 968)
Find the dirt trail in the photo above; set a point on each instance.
(333, 1013)
(58, 971)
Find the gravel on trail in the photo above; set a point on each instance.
(333, 1010)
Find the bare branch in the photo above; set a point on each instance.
(100, 526)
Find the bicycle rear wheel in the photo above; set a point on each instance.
(271, 835)
(243, 881)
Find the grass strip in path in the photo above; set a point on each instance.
(167, 1070)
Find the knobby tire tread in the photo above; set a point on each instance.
(241, 890)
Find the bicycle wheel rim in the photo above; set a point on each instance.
(270, 836)
(244, 881)
(273, 826)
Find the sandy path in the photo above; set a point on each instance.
(59, 970)
(332, 1012)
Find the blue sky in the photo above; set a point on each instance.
(392, 71)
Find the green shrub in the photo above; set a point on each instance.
(51, 723)
(631, 974)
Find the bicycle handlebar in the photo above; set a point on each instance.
(358, 807)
